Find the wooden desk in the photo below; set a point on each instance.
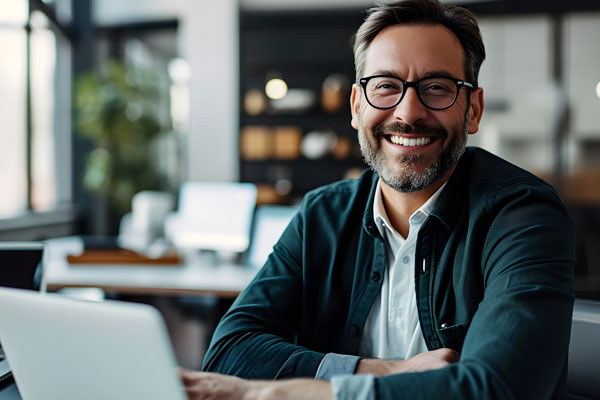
(198, 275)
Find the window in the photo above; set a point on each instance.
(35, 172)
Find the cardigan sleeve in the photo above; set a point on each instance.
(255, 338)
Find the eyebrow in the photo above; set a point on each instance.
(428, 74)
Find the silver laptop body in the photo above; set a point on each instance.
(61, 348)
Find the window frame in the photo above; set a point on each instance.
(62, 219)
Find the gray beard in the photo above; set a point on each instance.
(409, 180)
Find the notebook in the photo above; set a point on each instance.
(20, 267)
(67, 349)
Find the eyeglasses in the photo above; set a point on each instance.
(435, 92)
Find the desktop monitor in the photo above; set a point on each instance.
(213, 216)
(269, 224)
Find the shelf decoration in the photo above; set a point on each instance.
(335, 92)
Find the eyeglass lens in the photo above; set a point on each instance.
(433, 92)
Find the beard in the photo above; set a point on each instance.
(400, 172)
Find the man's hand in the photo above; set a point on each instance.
(421, 362)
(204, 385)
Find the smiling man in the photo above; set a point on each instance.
(442, 272)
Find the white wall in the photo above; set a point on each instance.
(208, 40)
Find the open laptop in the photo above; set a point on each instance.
(20, 267)
(67, 349)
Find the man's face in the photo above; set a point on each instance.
(411, 53)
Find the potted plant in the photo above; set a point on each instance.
(119, 112)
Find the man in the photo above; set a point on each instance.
(441, 273)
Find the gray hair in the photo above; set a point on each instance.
(460, 21)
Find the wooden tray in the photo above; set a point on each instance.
(109, 257)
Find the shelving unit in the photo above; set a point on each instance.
(303, 48)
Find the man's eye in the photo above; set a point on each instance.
(437, 87)
(386, 86)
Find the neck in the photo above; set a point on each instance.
(400, 206)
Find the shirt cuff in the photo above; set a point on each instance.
(336, 364)
(353, 387)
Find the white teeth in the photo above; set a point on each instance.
(410, 142)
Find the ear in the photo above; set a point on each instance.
(476, 110)
(355, 105)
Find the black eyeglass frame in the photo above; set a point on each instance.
(406, 84)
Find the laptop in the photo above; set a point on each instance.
(20, 267)
(67, 349)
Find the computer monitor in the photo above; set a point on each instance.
(21, 264)
(20, 268)
(213, 216)
(269, 224)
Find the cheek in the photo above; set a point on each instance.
(369, 117)
(452, 118)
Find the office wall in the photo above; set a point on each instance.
(207, 39)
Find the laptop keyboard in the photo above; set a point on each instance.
(4, 367)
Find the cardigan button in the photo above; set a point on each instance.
(375, 276)
(354, 329)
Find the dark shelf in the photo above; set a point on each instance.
(339, 123)
(304, 48)
(304, 174)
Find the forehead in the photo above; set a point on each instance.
(411, 51)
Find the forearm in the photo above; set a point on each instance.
(429, 360)
(261, 356)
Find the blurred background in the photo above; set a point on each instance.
(103, 98)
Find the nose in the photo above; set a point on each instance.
(410, 109)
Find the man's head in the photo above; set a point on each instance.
(412, 130)
(459, 20)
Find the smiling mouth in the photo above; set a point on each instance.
(409, 142)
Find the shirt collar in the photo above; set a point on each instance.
(381, 218)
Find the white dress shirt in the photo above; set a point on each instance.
(392, 329)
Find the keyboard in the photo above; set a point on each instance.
(4, 367)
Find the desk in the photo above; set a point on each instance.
(199, 274)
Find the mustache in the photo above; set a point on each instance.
(402, 127)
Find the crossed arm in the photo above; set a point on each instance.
(204, 385)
